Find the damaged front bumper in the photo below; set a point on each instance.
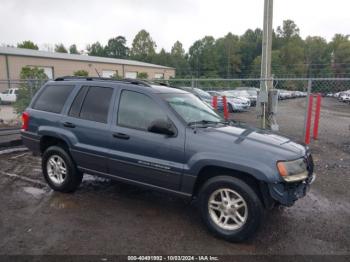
(287, 193)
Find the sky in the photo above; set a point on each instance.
(86, 21)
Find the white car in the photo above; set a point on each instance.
(9, 96)
(237, 103)
(345, 98)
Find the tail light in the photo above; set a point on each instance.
(25, 121)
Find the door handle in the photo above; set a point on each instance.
(68, 124)
(121, 136)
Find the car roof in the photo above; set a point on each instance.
(141, 84)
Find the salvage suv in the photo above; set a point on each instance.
(165, 139)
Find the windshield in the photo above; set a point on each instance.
(191, 108)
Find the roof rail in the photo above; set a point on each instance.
(87, 78)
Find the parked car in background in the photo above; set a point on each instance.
(220, 105)
(236, 103)
(345, 97)
(203, 95)
(284, 94)
(242, 94)
(9, 96)
(252, 92)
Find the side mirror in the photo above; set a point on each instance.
(161, 126)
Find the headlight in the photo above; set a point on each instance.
(293, 171)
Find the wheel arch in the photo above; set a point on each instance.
(259, 186)
(48, 140)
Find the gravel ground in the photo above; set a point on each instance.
(105, 217)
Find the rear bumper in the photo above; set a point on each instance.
(32, 142)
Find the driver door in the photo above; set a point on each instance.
(140, 155)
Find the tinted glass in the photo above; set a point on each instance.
(78, 100)
(52, 98)
(96, 104)
(138, 111)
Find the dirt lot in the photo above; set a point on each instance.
(104, 217)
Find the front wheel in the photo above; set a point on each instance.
(230, 208)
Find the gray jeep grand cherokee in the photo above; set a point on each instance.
(165, 139)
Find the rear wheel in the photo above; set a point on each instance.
(59, 170)
(230, 208)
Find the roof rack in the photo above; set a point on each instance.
(126, 80)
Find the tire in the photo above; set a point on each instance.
(70, 179)
(230, 108)
(236, 188)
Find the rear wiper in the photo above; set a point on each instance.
(204, 122)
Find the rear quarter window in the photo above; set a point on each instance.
(52, 98)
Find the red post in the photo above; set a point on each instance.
(215, 102)
(224, 101)
(308, 120)
(317, 116)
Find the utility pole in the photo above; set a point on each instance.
(268, 97)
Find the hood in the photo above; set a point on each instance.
(252, 141)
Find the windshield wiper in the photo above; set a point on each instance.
(204, 122)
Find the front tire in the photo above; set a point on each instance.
(230, 208)
(60, 171)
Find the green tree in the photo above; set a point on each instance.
(288, 30)
(317, 56)
(81, 73)
(291, 51)
(28, 45)
(162, 58)
(179, 60)
(340, 46)
(250, 48)
(59, 48)
(203, 58)
(143, 46)
(228, 56)
(142, 75)
(117, 48)
(177, 49)
(96, 49)
(73, 49)
(33, 79)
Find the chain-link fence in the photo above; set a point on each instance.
(334, 125)
(15, 96)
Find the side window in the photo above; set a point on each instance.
(96, 104)
(52, 98)
(138, 110)
(78, 100)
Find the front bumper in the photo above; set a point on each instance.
(287, 193)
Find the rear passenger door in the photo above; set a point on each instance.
(87, 122)
(140, 155)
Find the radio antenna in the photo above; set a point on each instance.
(97, 73)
